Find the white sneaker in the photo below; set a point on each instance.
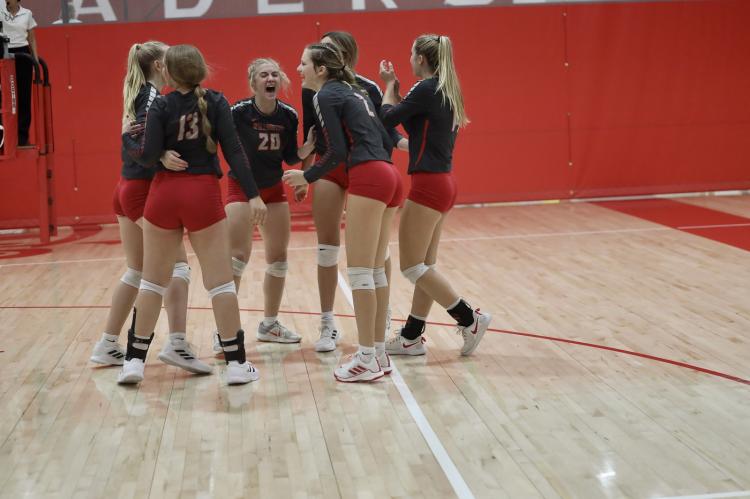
(473, 334)
(277, 333)
(218, 351)
(132, 372)
(179, 353)
(398, 345)
(329, 338)
(356, 369)
(108, 353)
(240, 374)
(385, 363)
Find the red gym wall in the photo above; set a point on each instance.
(653, 98)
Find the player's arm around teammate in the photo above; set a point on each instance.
(143, 80)
(190, 120)
(432, 112)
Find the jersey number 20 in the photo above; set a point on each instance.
(188, 127)
(269, 141)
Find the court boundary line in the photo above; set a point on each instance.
(460, 487)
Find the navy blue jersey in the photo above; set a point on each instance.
(130, 168)
(309, 121)
(428, 120)
(350, 127)
(268, 139)
(174, 122)
(376, 97)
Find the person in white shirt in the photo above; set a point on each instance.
(18, 24)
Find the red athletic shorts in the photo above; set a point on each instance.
(338, 176)
(273, 194)
(129, 197)
(179, 199)
(376, 180)
(434, 190)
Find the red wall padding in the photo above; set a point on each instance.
(654, 99)
(659, 97)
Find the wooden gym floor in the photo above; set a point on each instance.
(617, 367)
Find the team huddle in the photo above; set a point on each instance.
(170, 184)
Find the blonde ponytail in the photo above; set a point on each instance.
(448, 81)
(134, 79)
(200, 93)
(438, 51)
(140, 62)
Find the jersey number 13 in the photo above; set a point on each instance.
(188, 127)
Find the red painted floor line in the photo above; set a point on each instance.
(688, 218)
(500, 331)
(613, 349)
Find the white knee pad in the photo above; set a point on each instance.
(277, 269)
(132, 278)
(387, 252)
(328, 256)
(181, 271)
(229, 288)
(415, 272)
(238, 267)
(381, 281)
(360, 278)
(150, 286)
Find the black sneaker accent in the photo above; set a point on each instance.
(235, 355)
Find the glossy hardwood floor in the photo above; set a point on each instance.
(618, 367)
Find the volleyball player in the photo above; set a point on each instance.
(190, 120)
(354, 135)
(328, 201)
(143, 80)
(267, 128)
(432, 113)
